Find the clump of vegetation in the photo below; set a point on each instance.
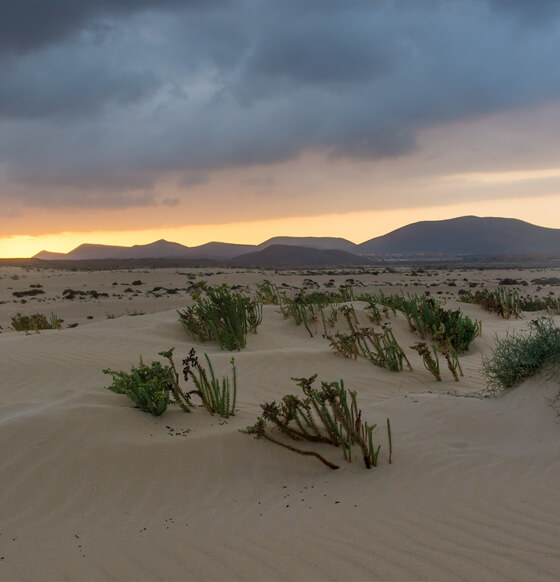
(428, 318)
(73, 293)
(452, 360)
(149, 387)
(269, 294)
(35, 322)
(503, 301)
(380, 348)
(217, 395)
(305, 308)
(28, 293)
(222, 315)
(152, 388)
(520, 354)
(328, 414)
(550, 304)
(429, 357)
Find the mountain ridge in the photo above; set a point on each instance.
(465, 235)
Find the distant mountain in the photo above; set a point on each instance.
(162, 249)
(314, 242)
(467, 235)
(219, 251)
(292, 256)
(156, 250)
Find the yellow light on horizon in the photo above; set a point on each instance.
(354, 226)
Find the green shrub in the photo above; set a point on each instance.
(35, 322)
(222, 315)
(149, 387)
(520, 355)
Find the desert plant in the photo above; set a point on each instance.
(520, 354)
(503, 301)
(430, 358)
(217, 396)
(35, 322)
(148, 387)
(328, 415)
(305, 308)
(452, 360)
(183, 399)
(550, 304)
(428, 318)
(301, 310)
(223, 315)
(29, 293)
(152, 388)
(269, 294)
(390, 439)
(382, 349)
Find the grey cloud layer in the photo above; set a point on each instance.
(102, 97)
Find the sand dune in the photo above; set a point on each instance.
(93, 489)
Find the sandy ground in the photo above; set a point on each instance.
(93, 489)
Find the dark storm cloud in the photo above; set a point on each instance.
(31, 24)
(55, 84)
(112, 95)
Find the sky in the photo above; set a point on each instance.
(127, 121)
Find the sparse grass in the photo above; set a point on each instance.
(329, 415)
(222, 315)
(520, 354)
(35, 322)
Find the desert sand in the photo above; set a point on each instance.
(93, 489)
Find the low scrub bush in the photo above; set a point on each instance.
(520, 354)
(328, 414)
